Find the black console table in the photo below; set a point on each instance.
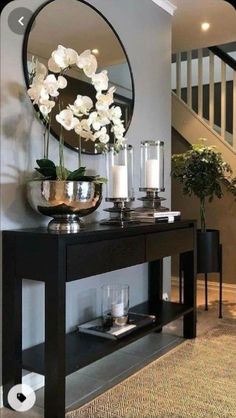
(56, 259)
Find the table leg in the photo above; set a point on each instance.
(155, 280)
(189, 271)
(55, 368)
(12, 322)
(180, 282)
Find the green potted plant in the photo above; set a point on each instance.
(201, 171)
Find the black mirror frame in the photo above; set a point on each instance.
(25, 67)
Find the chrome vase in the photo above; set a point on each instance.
(64, 201)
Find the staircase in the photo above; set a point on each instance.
(204, 99)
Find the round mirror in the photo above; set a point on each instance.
(78, 25)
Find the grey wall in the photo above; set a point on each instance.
(145, 30)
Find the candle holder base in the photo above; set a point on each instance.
(121, 213)
(120, 321)
(152, 202)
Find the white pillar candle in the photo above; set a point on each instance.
(117, 310)
(152, 174)
(120, 181)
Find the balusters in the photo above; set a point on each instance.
(200, 84)
(218, 73)
(223, 99)
(178, 74)
(211, 89)
(189, 79)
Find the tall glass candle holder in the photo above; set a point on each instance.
(152, 166)
(152, 174)
(119, 189)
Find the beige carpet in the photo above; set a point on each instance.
(196, 379)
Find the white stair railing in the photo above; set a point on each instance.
(204, 70)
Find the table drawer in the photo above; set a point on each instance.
(164, 244)
(84, 260)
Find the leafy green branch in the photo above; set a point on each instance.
(201, 170)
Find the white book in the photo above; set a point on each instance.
(152, 216)
(136, 321)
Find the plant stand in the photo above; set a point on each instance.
(181, 278)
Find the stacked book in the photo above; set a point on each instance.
(153, 216)
(135, 322)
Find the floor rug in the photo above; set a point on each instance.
(196, 379)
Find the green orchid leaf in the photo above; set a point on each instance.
(44, 162)
(100, 180)
(62, 173)
(77, 175)
(48, 172)
(96, 179)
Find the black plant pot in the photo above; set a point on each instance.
(208, 256)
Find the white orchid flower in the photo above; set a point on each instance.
(85, 125)
(83, 129)
(32, 65)
(98, 120)
(78, 128)
(115, 114)
(87, 62)
(82, 105)
(104, 117)
(105, 100)
(40, 70)
(120, 141)
(53, 67)
(93, 120)
(87, 135)
(51, 85)
(118, 130)
(86, 132)
(103, 113)
(102, 136)
(62, 82)
(38, 91)
(100, 81)
(67, 119)
(46, 106)
(64, 57)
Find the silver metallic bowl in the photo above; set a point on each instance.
(64, 201)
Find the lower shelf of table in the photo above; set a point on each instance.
(84, 349)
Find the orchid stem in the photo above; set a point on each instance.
(79, 153)
(48, 135)
(44, 143)
(61, 150)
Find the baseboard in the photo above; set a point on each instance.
(227, 287)
(34, 380)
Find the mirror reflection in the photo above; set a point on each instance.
(77, 25)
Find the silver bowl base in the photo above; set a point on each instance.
(66, 224)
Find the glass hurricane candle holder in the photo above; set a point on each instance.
(119, 170)
(119, 190)
(152, 166)
(115, 304)
(152, 176)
